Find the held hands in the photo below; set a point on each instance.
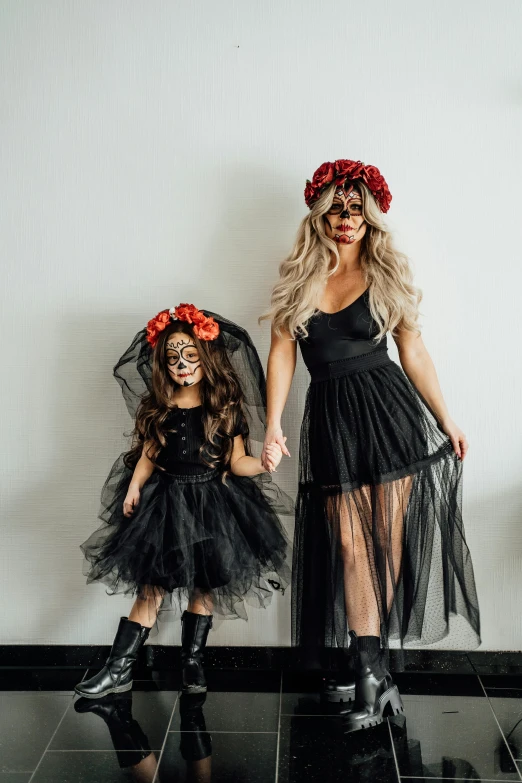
(273, 449)
(457, 437)
(131, 501)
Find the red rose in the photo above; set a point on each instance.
(323, 175)
(208, 329)
(348, 169)
(157, 325)
(189, 313)
(309, 193)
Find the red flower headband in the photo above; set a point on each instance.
(339, 171)
(205, 328)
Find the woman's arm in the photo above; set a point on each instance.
(243, 465)
(280, 371)
(418, 366)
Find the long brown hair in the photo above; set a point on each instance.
(221, 396)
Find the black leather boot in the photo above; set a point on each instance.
(116, 675)
(340, 689)
(193, 640)
(374, 688)
(195, 741)
(130, 742)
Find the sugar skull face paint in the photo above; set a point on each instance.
(183, 362)
(344, 222)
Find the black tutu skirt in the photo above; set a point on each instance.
(192, 533)
(379, 542)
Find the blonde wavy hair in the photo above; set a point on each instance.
(393, 298)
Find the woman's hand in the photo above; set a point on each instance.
(274, 435)
(131, 501)
(457, 437)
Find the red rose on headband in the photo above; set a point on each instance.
(309, 192)
(347, 169)
(342, 170)
(189, 313)
(323, 175)
(208, 329)
(157, 325)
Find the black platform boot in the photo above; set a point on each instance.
(374, 688)
(116, 675)
(193, 640)
(340, 689)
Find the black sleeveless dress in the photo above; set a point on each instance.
(379, 540)
(192, 529)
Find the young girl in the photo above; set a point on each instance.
(186, 510)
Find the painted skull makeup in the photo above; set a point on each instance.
(183, 362)
(344, 220)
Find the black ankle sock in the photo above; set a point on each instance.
(369, 647)
(369, 644)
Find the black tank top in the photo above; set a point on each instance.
(341, 335)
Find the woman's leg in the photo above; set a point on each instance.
(371, 529)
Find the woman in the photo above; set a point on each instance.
(380, 550)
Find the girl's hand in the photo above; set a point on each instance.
(131, 501)
(273, 435)
(457, 437)
(274, 455)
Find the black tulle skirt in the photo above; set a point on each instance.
(379, 542)
(191, 534)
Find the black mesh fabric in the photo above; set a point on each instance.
(380, 546)
(194, 528)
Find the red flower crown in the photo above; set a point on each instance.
(339, 171)
(205, 328)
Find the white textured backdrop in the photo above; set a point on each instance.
(153, 153)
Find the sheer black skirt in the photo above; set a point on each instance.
(192, 534)
(379, 545)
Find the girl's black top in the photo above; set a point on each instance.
(182, 455)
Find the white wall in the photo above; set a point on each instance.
(157, 152)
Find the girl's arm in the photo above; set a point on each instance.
(243, 465)
(280, 371)
(143, 470)
(418, 366)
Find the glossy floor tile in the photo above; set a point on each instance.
(507, 706)
(253, 725)
(95, 767)
(232, 711)
(317, 749)
(27, 724)
(451, 737)
(112, 722)
(193, 757)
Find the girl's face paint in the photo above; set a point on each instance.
(183, 360)
(344, 222)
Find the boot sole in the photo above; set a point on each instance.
(194, 689)
(116, 689)
(392, 698)
(338, 697)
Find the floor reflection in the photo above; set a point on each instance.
(131, 744)
(128, 738)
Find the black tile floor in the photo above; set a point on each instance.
(260, 727)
